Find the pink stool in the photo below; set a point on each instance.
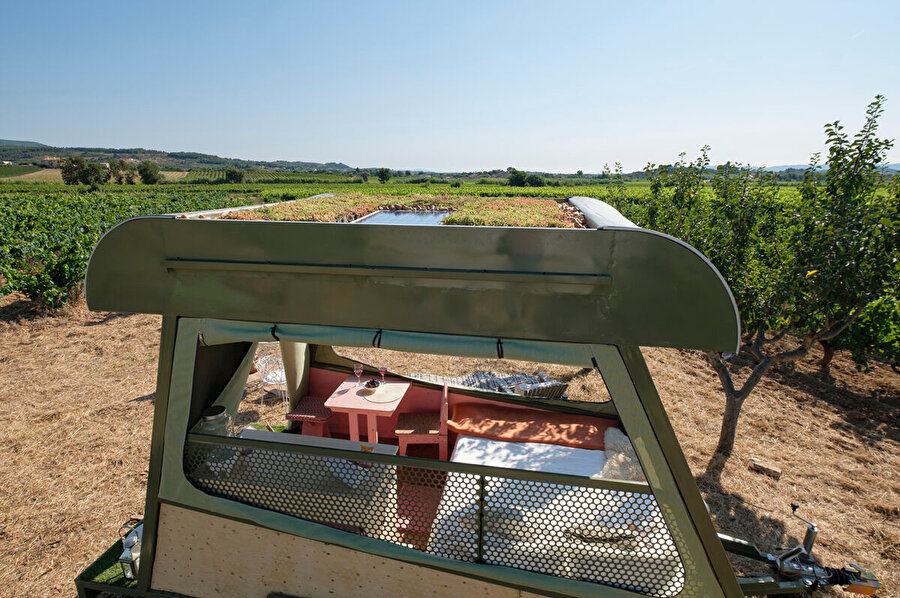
(313, 414)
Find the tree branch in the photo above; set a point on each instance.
(756, 347)
(759, 370)
(778, 336)
(850, 319)
(722, 370)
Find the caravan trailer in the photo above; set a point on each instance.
(386, 485)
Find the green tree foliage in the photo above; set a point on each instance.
(71, 168)
(95, 175)
(383, 174)
(149, 172)
(115, 170)
(516, 178)
(129, 173)
(77, 170)
(121, 172)
(533, 180)
(233, 175)
(805, 269)
(875, 332)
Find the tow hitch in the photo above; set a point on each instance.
(796, 569)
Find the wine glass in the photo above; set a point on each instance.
(382, 370)
(358, 370)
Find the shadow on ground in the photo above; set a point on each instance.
(19, 310)
(108, 318)
(150, 397)
(731, 511)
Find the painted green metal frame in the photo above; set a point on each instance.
(625, 287)
(620, 287)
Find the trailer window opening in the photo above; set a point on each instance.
(522, 482)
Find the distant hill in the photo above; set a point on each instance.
(895, 166)
(29, 151)
(13, 143)
(791, 167)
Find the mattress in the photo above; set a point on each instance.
(530, 456)
(592, 534)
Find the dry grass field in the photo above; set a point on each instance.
(76, 402)
(53, 175)
(44, 175)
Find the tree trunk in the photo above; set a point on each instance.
(734, 399)
(728, 432)
(829, 349)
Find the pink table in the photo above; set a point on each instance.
(349, 399)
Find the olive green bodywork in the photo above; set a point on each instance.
(624, 286)
(605, 292)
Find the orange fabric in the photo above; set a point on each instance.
(520, 425)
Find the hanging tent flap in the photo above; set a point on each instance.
(619, 286)
(217, 332)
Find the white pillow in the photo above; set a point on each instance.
(621, 460)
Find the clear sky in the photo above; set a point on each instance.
(554, 86)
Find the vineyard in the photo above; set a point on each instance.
(46, 238)
(818, 260)
(261, 176)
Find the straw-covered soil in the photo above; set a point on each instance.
(76, 403)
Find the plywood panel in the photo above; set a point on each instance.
(205, 556)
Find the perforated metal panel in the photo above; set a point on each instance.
(590, 534)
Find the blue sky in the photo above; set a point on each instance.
(449, 85)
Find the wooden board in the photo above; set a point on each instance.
(206, 556)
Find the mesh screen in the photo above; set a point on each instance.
(595, 535)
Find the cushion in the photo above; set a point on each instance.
(309, 409)
(546, 390)
(621, 460)
(529, 425)
(418, 424)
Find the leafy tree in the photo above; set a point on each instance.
(801, 272)
(383, 174)
(115, 170)
(533, 180)
(94, 175)
(579, 173)
(364, 175)
(516, 178)
(149, 172)
(77, 170)
(233, 175)
(71, 168)
(129, 172)
(875, 332)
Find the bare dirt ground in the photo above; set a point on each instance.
(76, 403)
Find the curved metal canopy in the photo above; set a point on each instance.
(615, 285)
